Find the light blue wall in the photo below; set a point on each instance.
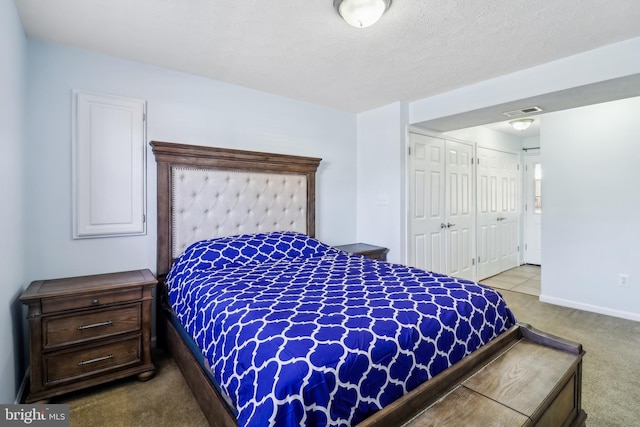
(381, 161)
(13, 48)
(180, 108)
(591, 208)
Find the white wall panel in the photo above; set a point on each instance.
(109, 168)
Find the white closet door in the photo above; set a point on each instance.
(459, 209)
(487, 213)
(441, 206)
(497, 212)
(508, 211)
(427, 203)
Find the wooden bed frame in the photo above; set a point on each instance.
(523, 377)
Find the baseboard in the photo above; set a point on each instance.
(23, 388)
(592, 308)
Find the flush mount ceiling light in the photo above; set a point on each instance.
(361, 13)
(521, 124)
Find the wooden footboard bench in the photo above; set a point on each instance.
(525, 378)
(529, 379)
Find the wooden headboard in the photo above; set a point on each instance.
(206, 192)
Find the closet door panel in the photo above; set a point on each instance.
(441, 184)
(497, 206)
(459, 216)
(426, 204)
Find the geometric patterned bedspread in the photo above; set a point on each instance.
(299, 333)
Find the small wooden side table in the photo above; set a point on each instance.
(364, 249)
(88, 330)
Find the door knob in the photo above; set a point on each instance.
(443, 225)
(449, 225)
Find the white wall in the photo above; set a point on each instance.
(380, 164)
(180, 108)
(13, 48)
(591, 214)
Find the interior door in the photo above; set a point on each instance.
(533, 210)
(487, 213)
(426, 203)
(441, 206)
(459, 209)
(508, 211)
(497, 212)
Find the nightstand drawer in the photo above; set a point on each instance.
(53, 305)
(72, 329)
(66, 366)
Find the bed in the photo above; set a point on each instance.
(273, 327)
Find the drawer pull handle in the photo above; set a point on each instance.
(97, 359)
(95, 301)
(95, 325)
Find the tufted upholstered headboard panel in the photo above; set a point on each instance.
(207, 192)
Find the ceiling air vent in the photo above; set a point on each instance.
(522, 112)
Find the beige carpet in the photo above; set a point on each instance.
(611, 376)
(163, 401)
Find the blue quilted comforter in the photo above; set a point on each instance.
(299, 333)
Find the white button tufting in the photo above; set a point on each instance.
(221, 203)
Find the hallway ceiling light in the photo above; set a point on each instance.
(521, 124)
(361, 13)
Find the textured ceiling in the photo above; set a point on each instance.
(303, 50)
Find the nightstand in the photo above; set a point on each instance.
(88, 330)
(369, 251)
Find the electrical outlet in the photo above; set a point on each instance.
(382, 199)
(623, 280)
